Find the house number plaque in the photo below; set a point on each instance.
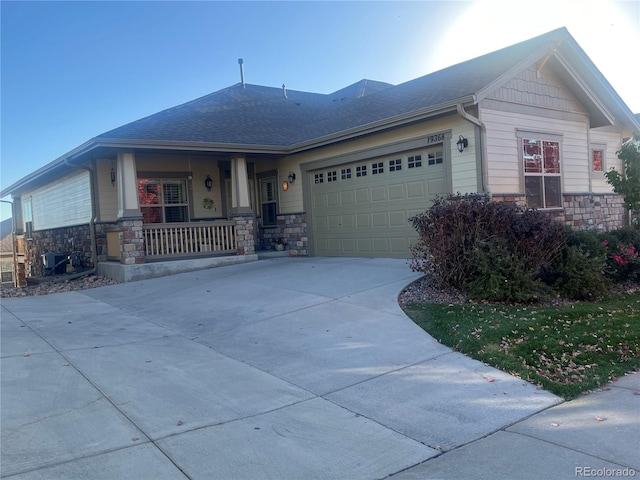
(437, 138)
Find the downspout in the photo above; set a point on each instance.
(483, 154)
(92, 222)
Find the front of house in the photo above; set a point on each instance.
(338, 174)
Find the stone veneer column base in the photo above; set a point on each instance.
(131, 241)
(245, 234)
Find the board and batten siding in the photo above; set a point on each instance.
(63, 203)
(503, 160)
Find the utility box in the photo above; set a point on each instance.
(54, 263)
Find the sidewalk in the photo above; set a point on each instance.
(597, 435)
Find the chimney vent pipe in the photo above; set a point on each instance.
(241, 63)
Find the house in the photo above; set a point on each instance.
(337, 174)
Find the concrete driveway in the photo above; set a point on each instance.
(289, 368)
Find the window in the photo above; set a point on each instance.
(319, 178)
(361, 171)
(541, 159)
(597, 160)
(268, 201)
(345, 173)
(332, 176)
(414, 161)
(395, 165)
(435, 158)
(377, 167)
(28, 218)
(163, 200)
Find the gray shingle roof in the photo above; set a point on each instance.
(258, 115)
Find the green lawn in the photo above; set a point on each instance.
(567, 350)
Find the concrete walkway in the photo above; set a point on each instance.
(279, 369)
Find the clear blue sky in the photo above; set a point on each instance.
(73, 70)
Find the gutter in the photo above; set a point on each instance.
(92, 221)
(484, 174)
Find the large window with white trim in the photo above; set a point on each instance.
(541, 164)
(163, 200)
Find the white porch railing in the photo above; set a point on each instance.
(180, 239)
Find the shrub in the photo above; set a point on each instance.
(622, 247)
(503, 276)
(468, 241)
(579, 273)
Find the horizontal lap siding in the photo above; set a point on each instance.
(503, 155)
(610, 138)
(63, 203)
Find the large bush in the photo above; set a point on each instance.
(496, 251)
(622, 249)
(580, 271)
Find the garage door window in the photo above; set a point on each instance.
(395, 165)
(332, 176)
(361, 171)
(318, 178)
(435, 158)
(414, 161)
(346, 173)
(377, 167)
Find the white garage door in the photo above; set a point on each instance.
(363, 208)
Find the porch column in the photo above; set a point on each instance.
(239, 187)
(241, 207)
(132, 249)
(128, 205)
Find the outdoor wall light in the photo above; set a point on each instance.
(208, 183)
(462, 143)
(113, 176)
(291, 177)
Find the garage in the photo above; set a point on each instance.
(362, 208)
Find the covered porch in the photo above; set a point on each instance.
(173, 206)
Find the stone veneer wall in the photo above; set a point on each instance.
(293, 228)
(245, 235)
(599, 212)
(132, 250)
(57, 240)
